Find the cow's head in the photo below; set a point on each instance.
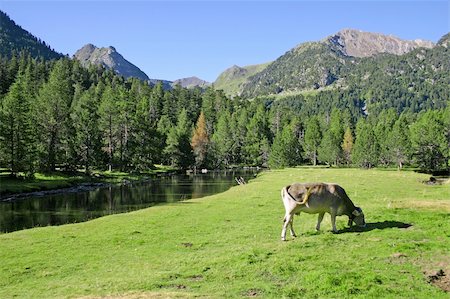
(357, 217)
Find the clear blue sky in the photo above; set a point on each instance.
(176, 39)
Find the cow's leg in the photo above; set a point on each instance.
(333, 221)
(319, 221)
(291, 226)
(287, 221)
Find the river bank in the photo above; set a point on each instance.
(60, 182)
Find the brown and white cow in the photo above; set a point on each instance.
(318, 198)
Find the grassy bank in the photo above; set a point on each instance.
(57, 180)
(228, 245)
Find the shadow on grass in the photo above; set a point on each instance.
(375, 225)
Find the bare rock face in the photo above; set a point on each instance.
(358, 43)
(109, 58)
(191, 82)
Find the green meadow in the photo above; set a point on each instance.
(228, 245)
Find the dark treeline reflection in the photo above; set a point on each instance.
(78, 207)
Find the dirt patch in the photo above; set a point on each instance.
(252, 293)
(440, 279)
(196, 277)
(398, 258)
(187, 244)
(437, 273)
(440, 205)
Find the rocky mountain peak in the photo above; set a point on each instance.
(109, 58)
(358, 43)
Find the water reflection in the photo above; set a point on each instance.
(77, 207)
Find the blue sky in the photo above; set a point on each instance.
(176, 39)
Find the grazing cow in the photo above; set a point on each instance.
(318, 198)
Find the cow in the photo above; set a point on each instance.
(318, 198)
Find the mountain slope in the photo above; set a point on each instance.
(14, 38)
(315, 65)
(109, 58)
(232, 79)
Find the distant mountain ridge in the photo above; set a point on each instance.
(109, 58)
(191, 82)
(14, 38)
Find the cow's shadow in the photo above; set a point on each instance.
(375, 225)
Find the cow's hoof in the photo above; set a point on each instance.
(283, 239)
(294, 236)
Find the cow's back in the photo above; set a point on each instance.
(322, 197)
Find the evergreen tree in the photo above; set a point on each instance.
(383, 125)
(18, 135)
(178, 148)
(85, 121)
(222, 141)
(398, 141)
(330, 150)
(53, 105)
(256, 137)
(429, 142)
(347, 146)
(313, 137)
(366, 148)
(285, 150)
(108, 115)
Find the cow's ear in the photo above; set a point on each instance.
(356, 213)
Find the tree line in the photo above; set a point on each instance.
(59, 115)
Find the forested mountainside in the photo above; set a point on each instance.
(14, 39)
(327, 63)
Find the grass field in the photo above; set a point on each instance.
(228, 245)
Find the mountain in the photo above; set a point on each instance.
(358, 43)
(191, 82)
(232, 79)
(109, 58)
(316, 65)
(14, 38)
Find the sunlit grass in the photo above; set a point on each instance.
(228, 245)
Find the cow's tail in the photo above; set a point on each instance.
(285, 196)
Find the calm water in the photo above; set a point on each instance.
(78, 207)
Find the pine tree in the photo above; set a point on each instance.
(108, 123)
(429, 142)
(53, 105)
(399, 142)
(87, 134)
(222, 141)
(330, 150)
(200, 141)
(313, 137)
(285, 150)
(366, 148)
(347, 146)
(178, 148)
(18, 135)
(256, 135)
